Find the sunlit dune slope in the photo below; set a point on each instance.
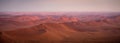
(62, 32)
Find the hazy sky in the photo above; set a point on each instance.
(59, 5)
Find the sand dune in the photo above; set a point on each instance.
(60, 29)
